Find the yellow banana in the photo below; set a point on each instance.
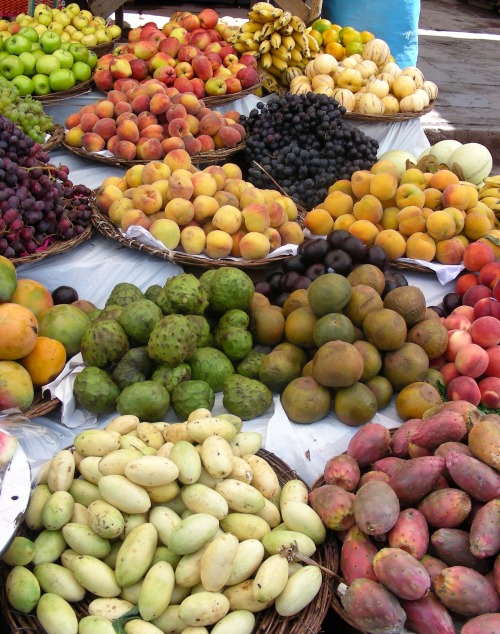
(288, 42)
(286, 30)
(313, 44)
(296, 56)
(279, 63)
(240, 47)
(283, 20)
(250, 27)
(267, 30)
(270, 83)
(257, 36)
(262, 6)
(275, 71)
(240, 37)
(265, 47)
(298, 24)
(282, 53)
(251, 44)
(301, 40)
(492, 181)
(266, 60)
(490, 191)
(258, 17)
(275, 40)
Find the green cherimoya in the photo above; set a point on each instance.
(95, 390)
(172, 341)
(190, 395)
(230, 288)
(134, 366)
(104, 342)
(246, 398)
(210, 365)
(124, 293)
(170, 377)
(235, 318)
(182, 294)
(236, 343)
(139, 318)
(152, 292)
(148, 400)
(249, 366)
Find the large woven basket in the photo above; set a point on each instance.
(387, 118)
(217, 100)
(42, 404)
(309, 620)
(55, 97)
(103, 48)
(55, 139)
(57, 247)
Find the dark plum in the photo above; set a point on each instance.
(390, 283)
(376, 256)
(338, 261)
(400, 278)
(450, 302)
(294, 263)
(274, 281)
(336, 237)
(264, 288)
(356, 248)
(303, 244)
(315, 270)
(64, 295)
(315, 251)
(301, 282)
(280, 299)
(439, 310)
(288, 280)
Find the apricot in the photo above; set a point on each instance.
(193, 240)
(456, 195)
(409, 194)
(344, 185)
(411, 220)
(319, 222)
(92, 142)
(118, 208)
(432, 197)
(442, 178)
(390, 218)
(440, 225)
(385, 166)
(179, 210)
(147, 199)
(133, 175)
(420, 246)
(450, 251)
(106, 195)
(337, 203)
(384, 185)
(227, 218)
(45, 361)
(218, 244)
(291, 233)
(368, 208)
(344, 222)
(360, 182)
(218, 173)
(392, 242)
(155, 171)
(272, 235)
(232, 170)
(364, 230)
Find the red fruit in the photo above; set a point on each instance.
(410, 533)
(445, 508)
(457, 582)
(370, 443)
(376, 508)
(427, 615)
(401, 573)
(356, 556)
(343, 471)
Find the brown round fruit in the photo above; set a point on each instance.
(355, 405)
(337, 364)
(409, 302)
(385, 329)
(368, 274)
(305, 400)
(405, 365)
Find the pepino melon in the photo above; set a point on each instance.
(399, 158)
(442, 150)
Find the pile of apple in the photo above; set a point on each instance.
(471, 363)
(213, 211)
(188, 52)
(42, 64)
(146, 121)
(71, 23)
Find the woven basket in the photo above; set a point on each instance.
(217, 100)
(397, 116)
(55, 139)
(41, 405)
(215, 157)
(103, 48)
(309, 620)
(59, 246)
(55, 97)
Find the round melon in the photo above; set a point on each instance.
(442, 150)
(474, 160)
(399, 158)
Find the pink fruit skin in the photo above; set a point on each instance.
(399, 440)
(440, 428)
(343, 471)
(356, 556)
(416, 478)
(466, 591)
(410, 533)
(370, 443)
(483, 624)
(452, 546)
(446, 508)
(427, 615)
(447, 447)
(433, 567)
(485, 531)
(388, 465)
(372, 608)
(469, 411)
(374, 475)
(473, 476)
(496, 573)
(334, 505)
(8, 446)
(376, 508)
(401, 573)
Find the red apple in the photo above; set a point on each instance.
(213, 47)
(139, 68)
(214, 35)
(156, 37)
(198, 86)
(183, 84)
(148, 28)
(214, 59)
(134, 35)
(227, 49)
(190, 22)
(165, 74)
(248, 76)
(216, 86)
(231, 58)
(233, 84)
(144, 50)
(160, 59)
(201, 39)
(248, 60)
(184, 69)
(187, 52)
(208, 18)
(202, 67)
(170, 45)
(104, 79)
(181, 34)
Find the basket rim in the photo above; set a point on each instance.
(58, 246)
(55, 139)
(79, 89)
(396, 116)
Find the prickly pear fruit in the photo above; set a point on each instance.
(376, 508)
(466, 591)
(410, 533)
(380, 476)
(452, 545)
(388, 465)
(483, 624)
(445, 508)
(484, 534)
(401, 573)
(473, 476)
(372, 608)
(496, 573)
(334, 505)
(370, 443)
(416, 478)
(440, 428)
(343, 471)
(434, 566)
(469, 411)
(356, 556)
(399, 439)
(484, 442)
(426, 615)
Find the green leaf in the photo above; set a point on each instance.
(493, 239)
(132, 614)
(442, 391)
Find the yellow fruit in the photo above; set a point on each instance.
(45, 362)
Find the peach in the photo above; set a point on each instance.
(178, 159)
(368, 208)
(409, 194)
(180, 184)
(194, 124)
(456, 195)
(122, 107)
(485, 331)
(232, 170)
(235, 186)
(449, 372)
(364, 230)
(149, 149)
(106, 195)
(166, 231)
(162, 186)
(254, 246)
(153, 132)
(473, 294)
(172, 143)
(127, 116)
(159, 103)
(154, 171)
(193, 240)
(88, 121)
(119, 181)
(420, 246)
(392, 242)
(210, 124)
(477, 255)
(204, 183)
(432, 197)
(489, 274)
(490, 392)
(235, 251)
(103, 79)
(390, 218)
(104, 109)
(111, 143)
(227, 218)
(74, 136)
(175, 111)
(218, 244)
(318, 221)
(93, 142)
(471, 360)
(180, 210)
(105, 128)
(118, 208)
(135, 217)
(227, 136)
(442, 178)
(127, 130)
(190, 102)
(383, 185)
(493, 368)
(274, 238)
(73, 120)
(457, 321)
(456, 339)
(463, 388)
(133, 176)
(486, 307)
(291, 233)
(440, 225)
(256, 217)
(178, 128)
(467, 311)
(204, 207)
(360, 182)
(289, 206)
(478, 223)
(337, 203)
(251, 195)
(449, 251)
(147, 199)
(191, 144)
(414, 176)
(278, 215)
(411, 219)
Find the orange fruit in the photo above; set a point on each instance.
(353, 47)
(45, 362)
(336, 27)
(317, 36)
(335, 49)
(348, 34)
(366, 36)
(329, 36)
(321, 25)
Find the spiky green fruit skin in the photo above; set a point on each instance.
(104, 342)
(182, 294)
(172, 340)
(246, 398)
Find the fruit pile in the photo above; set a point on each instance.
(419, 515)
(188, 52)
(302, 143)
(45, 64)
(38, 202)
(211, 211)
(146, 121)
(471, 162)
(422, 215)
(167, 527)
(71, 24)
(27, 113)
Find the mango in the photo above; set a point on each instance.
(376, 508)
(356, 556)
(202, 428)
(294, 491)
(22, 589)
(57, 510)
(170, 621)
(204, 608)
(137, 626)
(264, 477)
(114, 463)
(188, 570)
(56, 615)
(372, 608)
(456, 582)
(217, 456)
(164, 520)
(401, 573)
(84, 492)
(136, 554)
(246, 442)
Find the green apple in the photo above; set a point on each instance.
(29, 61)
(113, 31)
(64, 57)
(24, 84)
(1, 44)
(50, 41)
(47, 64)
(74, 8)
(63, 18)
(3, 54)
(92, 60)
(44, 18)
(41, 83)
(65, 46)
(56, 26)
(11, 66)
(80, 53)
(37, 53)
(17, 44)
(29, 32)
(79, 21)
(35, 46)
(81, 71)
(61, 79)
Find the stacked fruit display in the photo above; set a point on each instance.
(168, 528)
(419, 516)
(146, 121)
(213, 211)
(188, 53)
(42, 65)
(71, 23)
(27, 113)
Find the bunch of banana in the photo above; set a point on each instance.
(489, 193)
(281, 41)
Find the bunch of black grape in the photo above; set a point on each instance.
(38, 203)
(304, 144)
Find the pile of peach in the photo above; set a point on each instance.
(471, 362)
(147, 121)
(411, 214)
(211, 211)
(184, 54)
